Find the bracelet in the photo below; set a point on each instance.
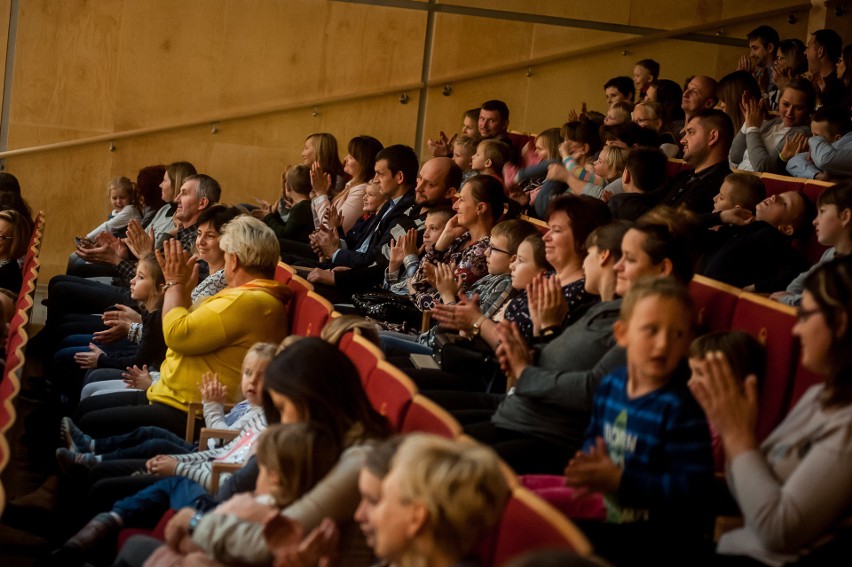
(781, 156)
(170, 284)
(550, 331)
(193, 522)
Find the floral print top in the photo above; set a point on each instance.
(575, 294)
(470, 265)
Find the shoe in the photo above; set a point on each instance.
(73, 438)
(101, 527)
(68, 460)
(39, 390)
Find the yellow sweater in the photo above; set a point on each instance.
(214, 337)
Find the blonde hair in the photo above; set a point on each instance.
(123, 184)
(652, 286)
(615, 158)
(262, 350)
(339, 326)
(461, 486)
(254, 243)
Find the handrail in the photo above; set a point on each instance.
(273, 108)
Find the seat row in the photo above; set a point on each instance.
(528, 522)
(16, 342)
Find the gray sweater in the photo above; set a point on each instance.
(761, 157)
(553, 400)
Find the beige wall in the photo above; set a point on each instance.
(85, 68)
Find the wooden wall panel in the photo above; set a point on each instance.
(85, 67)
(5, 7)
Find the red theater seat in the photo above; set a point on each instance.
(715, 303)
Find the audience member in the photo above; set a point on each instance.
(648, 448)
(644, 173)
(669, 95)
(833, 224)
(786, 513)
(732, 90)
(763, 44)
(760, 143)
(706, 144)
(790, 63)
(644, 73)
(759, 254)
(296, 193)
(321, 149)
(699, 94)
(828, 153)
(619, 89)
(649, 114)
(823, 52)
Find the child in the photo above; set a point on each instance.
(405, 255)
(464, 147)
(490, 157)
(146, 442)
(828, 150)
(291, 458)
(494, 290)
(122, 198)
(530, 179)
(739, 190)
(644, 173)
(529, 262)
(607, 168)
(648, 445)
(581, 140)
(645, 72)
(618, 113)
(833, 224)
(107, 368)
(296, 189)
(744, 354)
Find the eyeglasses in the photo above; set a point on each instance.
(490, 248)
(804, 314)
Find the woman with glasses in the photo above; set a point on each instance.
(793, 487)
(14, 236)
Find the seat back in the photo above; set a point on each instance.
(284, 273)
(775, 184)
(390, 392)
(426, 416)
(528, 522)
(715, 303)
(310, 313)
(364, 355)
(771, 323)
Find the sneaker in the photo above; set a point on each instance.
(73, 438)
(68, 459)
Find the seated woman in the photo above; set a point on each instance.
(540, 423)
(212, 336)
(463, 241)
(793, 488)
(762, 143)
(439, 500)
(14, 237)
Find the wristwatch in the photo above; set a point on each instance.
(477, 326)
(193, 522)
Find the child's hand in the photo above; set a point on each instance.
(593, 471)
(245, 507)
(138, 378)
(88, 359)
(446, 282)
(161, 465)
(557, 172)
(430, 274)
(731, 408)
(410, 242)
(212, 390)
(397, 253)
(263, 208)
(547, 305)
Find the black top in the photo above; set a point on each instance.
(11, 277)
(695, 190)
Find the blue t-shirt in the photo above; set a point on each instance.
(662, 442)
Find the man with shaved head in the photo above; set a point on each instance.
(699, 94)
